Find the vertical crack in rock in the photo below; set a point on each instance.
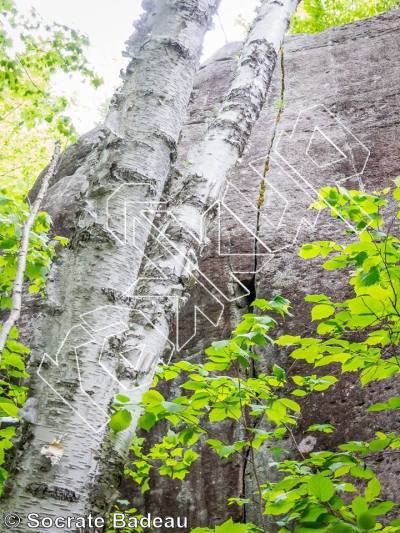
(263, 183)
(251, 285)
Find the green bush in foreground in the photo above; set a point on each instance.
(328, 490)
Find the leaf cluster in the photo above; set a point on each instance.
(313, 16)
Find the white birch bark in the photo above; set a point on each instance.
(171, 255)
(166, 275)
(134, 148)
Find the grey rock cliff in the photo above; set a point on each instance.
(332, 115)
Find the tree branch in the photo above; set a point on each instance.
(23, 251)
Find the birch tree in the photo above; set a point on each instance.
(136, 146)
(67, 462)
(170, 264)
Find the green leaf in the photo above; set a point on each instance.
(309, 251)
(278, 372)
(147, 421)
(290, 404)
(323, 428)
(62, 240)
(17, 347)
(359, 506)
(317, 298)
(13, 359)
(217, 414)
(371, 277)
(366, 521)
(339, 527)
(394, 402)
(173, 408)
(152, 397)
(313, 513)
(287, 340)
(232, 527)
(382, 508)
(321, 487)
(378, 407)
(8, 407)
(122, 398)
(321, 311)
(373, 490)
(120, 420)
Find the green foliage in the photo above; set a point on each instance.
(41, 250)
(122, 413)
(228, 527)
(31, 119)
(13, 214)
(12, 392)
(325, 490)
(129, 514)
(313, 16)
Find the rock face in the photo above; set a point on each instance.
(332, 116)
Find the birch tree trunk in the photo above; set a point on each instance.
(66, 463)
(171, 256)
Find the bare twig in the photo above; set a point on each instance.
(294, 440)
(23, 251)
(222, 28)
(250, 437)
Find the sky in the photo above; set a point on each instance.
(108, 25)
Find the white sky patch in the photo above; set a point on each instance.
(108, 25)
